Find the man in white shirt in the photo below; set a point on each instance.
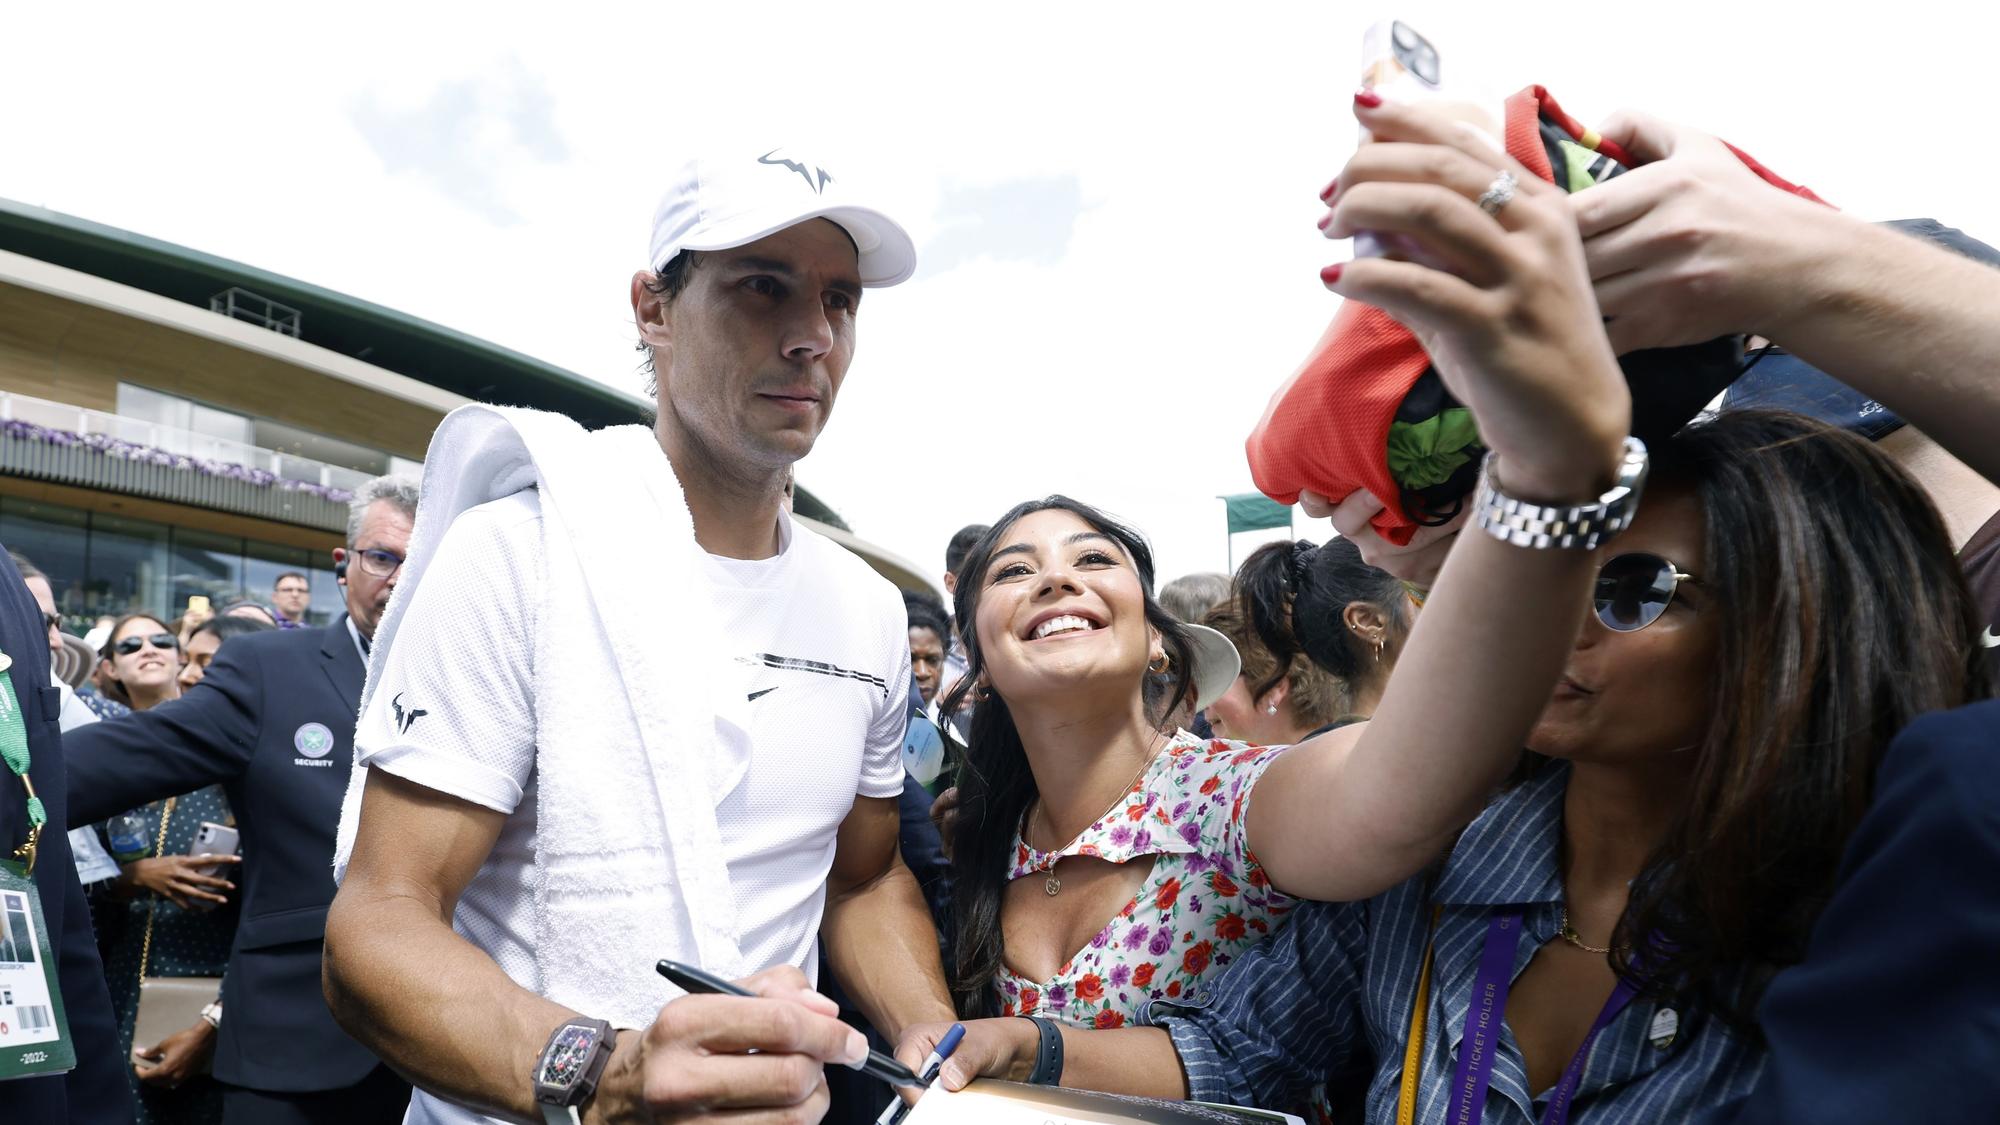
(437, 944)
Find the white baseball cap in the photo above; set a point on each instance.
(1216, 664)
(721, 202)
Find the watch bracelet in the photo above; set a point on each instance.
(1564, 526)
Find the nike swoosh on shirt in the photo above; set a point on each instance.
(756, 695)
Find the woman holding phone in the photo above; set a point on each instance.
(170, 913)
(1595, 942)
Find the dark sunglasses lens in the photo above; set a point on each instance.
(1632, 592)
(130, 645)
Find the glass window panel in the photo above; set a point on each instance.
(329, 598)
(128, 567)
(150, 405)
(54, 538)
(205, 565)
(264, 562)
(224, 424)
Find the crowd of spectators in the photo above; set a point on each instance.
(1677, 804)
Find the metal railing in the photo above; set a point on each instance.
(241, 304)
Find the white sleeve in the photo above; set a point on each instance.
(75, 712)
(882, 758)
(455, 709)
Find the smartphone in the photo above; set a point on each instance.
(1398, 62)
(213, 839)
(197, 604)
(1401, 65)
(1405, 67)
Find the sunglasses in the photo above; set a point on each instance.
(52, 621)
(130, 645)
(1634, 590)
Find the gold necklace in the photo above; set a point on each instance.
(1569, 935)
(1053, 885)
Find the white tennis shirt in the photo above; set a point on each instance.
(821, 643)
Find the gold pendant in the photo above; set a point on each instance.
(1053, 886)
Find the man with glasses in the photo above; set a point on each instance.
(291, 596)
(273, 722)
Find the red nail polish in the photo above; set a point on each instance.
(1330, 274)
(1326, 196)
(1326, 220)
(1366, 98)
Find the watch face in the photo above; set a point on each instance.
(563, 1065)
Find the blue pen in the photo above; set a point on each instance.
(926, 1074)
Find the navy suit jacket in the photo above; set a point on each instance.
(273, 723)
(95, 1091)
(1894, 1015)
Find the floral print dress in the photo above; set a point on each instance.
(1205, 901)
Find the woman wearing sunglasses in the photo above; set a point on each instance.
(141, 662)
(1592, 946)
(168, 913)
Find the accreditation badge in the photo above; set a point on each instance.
(34, 1031)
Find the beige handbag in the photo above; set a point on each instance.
(167, 1004)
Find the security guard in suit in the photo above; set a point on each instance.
(273, 723)
(94, 1091)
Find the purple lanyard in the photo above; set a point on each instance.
(1482, 1029)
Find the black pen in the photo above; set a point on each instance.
(695, 980)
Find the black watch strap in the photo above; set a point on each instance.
(1048, 1053)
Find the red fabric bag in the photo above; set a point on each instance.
(1327, 429)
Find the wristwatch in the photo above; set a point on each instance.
(569, 1068)
(211, 1013)
(1585, 526)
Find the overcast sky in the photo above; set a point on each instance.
(1113, 204)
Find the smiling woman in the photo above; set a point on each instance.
(142, 661)
(1102, 862)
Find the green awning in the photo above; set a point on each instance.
(1254, 511)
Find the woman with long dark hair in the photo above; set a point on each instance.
(1784, 601)
(171, 912)
(1326, 605)
(1063, 641)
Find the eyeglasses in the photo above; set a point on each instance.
(1634, 590)
(52, 621)
(378, 562)
(130, 645)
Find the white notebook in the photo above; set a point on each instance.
(987, 1102)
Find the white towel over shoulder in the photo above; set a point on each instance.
(629, 865)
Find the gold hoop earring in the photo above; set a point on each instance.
(1166, 665)
(1378, 650)
(980, 693)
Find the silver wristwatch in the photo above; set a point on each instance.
(1580, 525)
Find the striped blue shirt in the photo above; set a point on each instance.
(1329, 997)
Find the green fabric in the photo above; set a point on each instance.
(14, 743)
(1426, 453)
(1253, 511)
(1579, 159)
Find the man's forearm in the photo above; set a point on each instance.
(432, 1005)
(1907, 323)
(883, 949)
